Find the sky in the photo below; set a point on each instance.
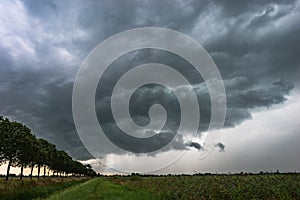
(255, 46)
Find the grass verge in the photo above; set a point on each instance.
(30, 189)
(101, 188)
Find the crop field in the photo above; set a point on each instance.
(265, 186)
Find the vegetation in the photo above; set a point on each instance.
(249, 186)
(259, 186)
(19, 147)
(101, 188)
(34, 188)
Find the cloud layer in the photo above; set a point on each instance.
(42, 45)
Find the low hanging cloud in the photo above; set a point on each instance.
(195, 145)
(221, 146)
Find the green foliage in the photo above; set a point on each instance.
(20, 148)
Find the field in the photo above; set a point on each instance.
(265, 186)
(260, 186)
(29, 189)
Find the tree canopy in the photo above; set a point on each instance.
(19, 147)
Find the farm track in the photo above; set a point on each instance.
(102, 188)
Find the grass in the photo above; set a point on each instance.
(29, 189)
(101, 188)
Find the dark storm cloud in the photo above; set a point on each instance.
(254, 45)
(241, 99)
(233, 8)
(195, 145)
(110, 17)
(259, 97)
(221, 146)
(43, 106)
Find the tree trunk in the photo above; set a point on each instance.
(39, 169)
(21, 175)
(31, 171)
(44, 171)
(8, 168)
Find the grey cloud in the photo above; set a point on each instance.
(233, 8)
(241, 99)
(257, 97)
(163, 136)
(235, 116)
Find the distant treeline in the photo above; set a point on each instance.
(20, 148)
(202, 174)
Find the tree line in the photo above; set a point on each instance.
(20, 148)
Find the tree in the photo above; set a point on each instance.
(2, 142)
(8, 152)
(50, 151)
(64, 160)
(60, 160)
(90, 171)
(18, 147)
(41, 154)
(26, 149)
(9, 142)
(35, 156)
(78, 168)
